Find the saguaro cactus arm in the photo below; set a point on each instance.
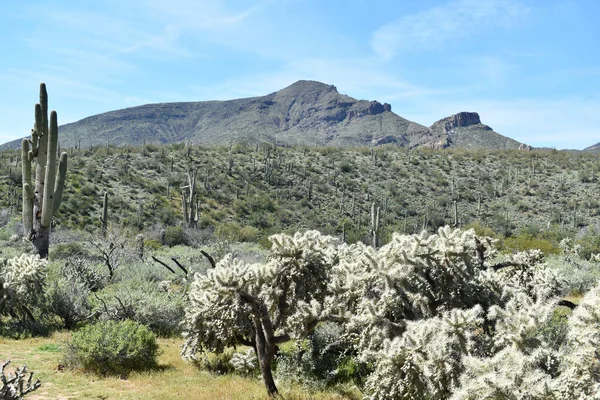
(60, 181)
(27, 189)
(48, 202)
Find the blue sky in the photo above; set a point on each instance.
(531, 69)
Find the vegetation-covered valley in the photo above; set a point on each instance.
(383, 273)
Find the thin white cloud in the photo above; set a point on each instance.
(439, 25)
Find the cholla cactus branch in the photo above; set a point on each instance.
(14, 387)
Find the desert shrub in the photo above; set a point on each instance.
(65, 250)
(579, 275)
(156, 305)
(112, 348)
(526, 242)
(68, 299)
(588, 241)
(244, 363)
(234, 232)
(323, 359)
(175, 235)
(219, 364)
(80, 270)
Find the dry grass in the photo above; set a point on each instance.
(175, 379)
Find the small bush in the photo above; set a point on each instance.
(524, 243)
(157, 306)
(112, 348)
(175, 235)
(219, 364)
(68, 300)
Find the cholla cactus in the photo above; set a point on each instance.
(569, 248)
(14, 387)
(244, 363)
(22, 280)
(581, 376)
(430, 312)
(412, 277)
(262, 305)
(425, 362)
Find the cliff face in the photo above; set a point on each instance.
(459, 120)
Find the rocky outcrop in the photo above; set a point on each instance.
(462, 119)
(526, 147)
(363, 108)
(465, 130)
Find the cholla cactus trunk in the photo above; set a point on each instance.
(39, 206)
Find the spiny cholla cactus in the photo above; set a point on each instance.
(580, 378)
(262, 305)
(569, 248)
(425, 361)
(22, 280)
(14, 387)
(412, 277)
(430, 312)
(244, 363)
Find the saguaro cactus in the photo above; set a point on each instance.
(375, 225)
(104, 217)
(40, 204)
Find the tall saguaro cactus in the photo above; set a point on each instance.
(375, 225)
(41, 203)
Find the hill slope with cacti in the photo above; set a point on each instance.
(245, 193)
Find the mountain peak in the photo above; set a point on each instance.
(304, 86)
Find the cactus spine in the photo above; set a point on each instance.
(40, 205)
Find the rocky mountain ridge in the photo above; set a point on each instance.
(306, 112)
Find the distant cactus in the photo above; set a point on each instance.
(375, 225)
(104, 217)
(40, 204)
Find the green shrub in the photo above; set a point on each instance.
(159, 306)
(175, 235)
(219, 364)
(524, 243)
(112, 348)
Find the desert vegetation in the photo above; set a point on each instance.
(384, 273)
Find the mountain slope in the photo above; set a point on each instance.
(593, 148)
(305, 112)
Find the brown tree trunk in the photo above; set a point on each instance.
(265, 352)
